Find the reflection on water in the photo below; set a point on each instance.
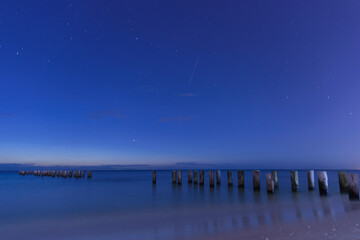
(176, 211)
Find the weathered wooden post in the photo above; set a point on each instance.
(196, 177)
(179, 180)
(270, 183)
(82, 173)
(89, 174)
(294, 176)
(189, 176)
(343, 182)
(173, 177)
(211, 178)
(218, 177)
(256, 180)
(230, 178)
(323, 182)
(154, 176)
(241, 179)
(70, 174)
(311, 180)
(353, 186)
(275, 178)
(201, 177)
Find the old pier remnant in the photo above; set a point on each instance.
(311, 180)
(294, 176)
(256, 180)
(241, 179)
(343, 181)
(270, 183)
(353, 186)
(323, 182)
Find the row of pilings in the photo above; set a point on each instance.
(348, 182)
(58, 173)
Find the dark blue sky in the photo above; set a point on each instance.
(253, 83)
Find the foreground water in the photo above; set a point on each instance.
(126, 203)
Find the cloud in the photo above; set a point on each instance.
(7, 115)
(187, 94)
(175, 119)
(115, 113)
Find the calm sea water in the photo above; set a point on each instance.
(25, 199)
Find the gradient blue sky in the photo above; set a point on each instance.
(253, 83)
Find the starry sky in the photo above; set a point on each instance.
(249, 83)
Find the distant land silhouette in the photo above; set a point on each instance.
(180, 165)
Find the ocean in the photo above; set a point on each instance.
(127, 205)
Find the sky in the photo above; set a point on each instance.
(254, 84)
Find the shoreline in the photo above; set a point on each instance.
(204, 223)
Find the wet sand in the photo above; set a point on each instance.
(204, 223)
(346, 227)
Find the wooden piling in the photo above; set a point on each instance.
(270, 183)
(179, 180)
(211, 178)
(173, 176)
(201, 177)
(294, 176)
(189, 176)
(353, 186)
(343, 182)
(241, 178)
(89, 174)
(196, 177)
(275, 178)
(311, 180)
(154, 176)
(82, 173)
(256, 180)
(218, 177)
(323, 182)
(230, 178)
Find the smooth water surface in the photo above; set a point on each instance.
(165, 210)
